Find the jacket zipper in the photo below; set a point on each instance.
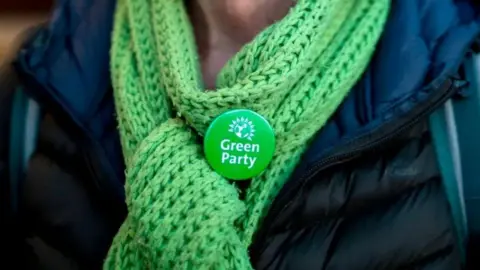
(368, 143)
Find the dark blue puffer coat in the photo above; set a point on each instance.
(367, 195)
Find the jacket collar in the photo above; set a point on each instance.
(423, 44)
(68, 61)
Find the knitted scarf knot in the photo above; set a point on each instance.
(183, 215)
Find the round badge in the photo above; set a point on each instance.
(239, 144)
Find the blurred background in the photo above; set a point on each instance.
(15, 17)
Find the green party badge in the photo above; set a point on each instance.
(239, 144)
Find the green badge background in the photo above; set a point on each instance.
(219, 130)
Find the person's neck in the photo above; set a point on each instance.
(222, 27)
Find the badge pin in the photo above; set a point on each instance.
(239, 144)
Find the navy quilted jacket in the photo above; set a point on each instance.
(367, 195)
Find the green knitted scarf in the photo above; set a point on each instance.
(182, 214)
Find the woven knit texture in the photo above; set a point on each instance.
(182, 214)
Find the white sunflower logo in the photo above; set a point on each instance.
(243, 128)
